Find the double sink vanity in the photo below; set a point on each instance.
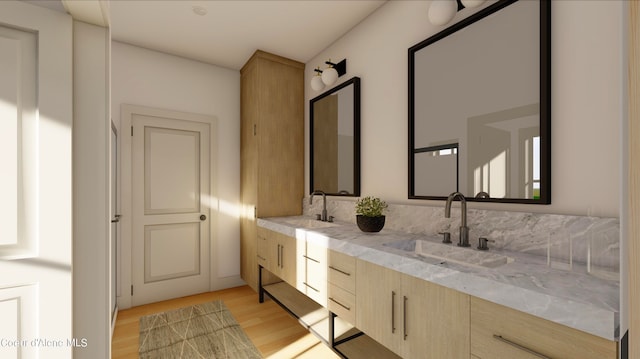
(521, 285)
(420, 298)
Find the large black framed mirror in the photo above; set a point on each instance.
(334, 140)
(480, 107)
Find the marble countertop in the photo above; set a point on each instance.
(572, 298)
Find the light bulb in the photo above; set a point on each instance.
(329, 76)
(471, 3)
(442, 11)
(316, 83)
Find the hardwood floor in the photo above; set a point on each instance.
(273, 331)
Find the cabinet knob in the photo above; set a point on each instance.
(203, 217)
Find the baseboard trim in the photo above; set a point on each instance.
(227, 282)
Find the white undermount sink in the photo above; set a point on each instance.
(309, 223)
(451, 253)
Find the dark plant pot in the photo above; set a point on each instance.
(370, 224)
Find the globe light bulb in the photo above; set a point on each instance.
(316, 83)
(329, 76)
(472, 3)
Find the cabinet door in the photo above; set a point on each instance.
(436, 320)
(274, 254)
(288, 250)
(498, 332)
(248, 175)
(315, 273)
(379, 304)
(280, 133)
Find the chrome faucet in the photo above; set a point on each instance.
(323, 217)
(464, 230)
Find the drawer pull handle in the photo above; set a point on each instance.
(507, 341)
(404, 317)
(310, 287)
(340, 304)
(315, 260)
(339, 271)
(393, 313)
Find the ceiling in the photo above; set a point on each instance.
(230, 31)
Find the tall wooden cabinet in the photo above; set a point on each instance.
(272, 147)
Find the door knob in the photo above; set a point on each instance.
(203, 217)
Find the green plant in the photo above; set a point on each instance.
(370, 206)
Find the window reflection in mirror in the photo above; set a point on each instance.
(335, 140)
(437, 167)
(502, 157)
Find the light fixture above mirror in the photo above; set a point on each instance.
(441, 12)
(328, 76)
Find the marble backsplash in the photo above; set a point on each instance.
(578, 242)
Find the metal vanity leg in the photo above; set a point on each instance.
(332, 334)
(260, 289)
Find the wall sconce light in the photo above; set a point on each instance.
(443, 11)
(329, 76)
(316, 80)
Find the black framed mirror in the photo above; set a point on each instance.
(480, 107)
(334, 140)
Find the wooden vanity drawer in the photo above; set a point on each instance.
(342, 303)
(317, 293)
(262, 251)
(342, 271)
(316, 253)
(499, 332)
(314, 280)
(316, 274)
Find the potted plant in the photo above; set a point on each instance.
(369, 215)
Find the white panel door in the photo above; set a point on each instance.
(35, 182)
(171, 192)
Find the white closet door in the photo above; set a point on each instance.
(171, 214)
(35, 182)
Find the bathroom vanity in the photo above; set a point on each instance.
(418, 302)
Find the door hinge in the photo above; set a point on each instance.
(255, 130)
(132, 290)
(131, 130)
(255, 212)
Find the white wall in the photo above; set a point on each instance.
(154, 79)
(587, 84)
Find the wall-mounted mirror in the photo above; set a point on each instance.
(479, 107)
(334, 129)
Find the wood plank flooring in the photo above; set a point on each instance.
(274, 332)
